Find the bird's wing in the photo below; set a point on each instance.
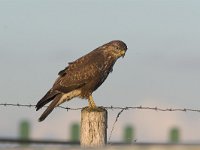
(78, 73)
(63, 84)
(63, 72)
(74, 76)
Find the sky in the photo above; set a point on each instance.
(161, 67)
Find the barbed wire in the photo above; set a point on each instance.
(113, 126)
(110, 107)
(122, 109)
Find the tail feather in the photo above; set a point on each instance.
(49, 96)
(50, 108)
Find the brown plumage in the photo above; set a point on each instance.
(83, 76)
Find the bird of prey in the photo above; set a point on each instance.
(83, 76)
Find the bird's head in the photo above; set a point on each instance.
(116, 48)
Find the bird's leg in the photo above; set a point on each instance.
(91, 102)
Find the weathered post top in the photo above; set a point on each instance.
(93, 127)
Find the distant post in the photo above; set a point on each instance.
(128, 134)
(24, 130)
(75, 132)
(93, 127)
(174, 135)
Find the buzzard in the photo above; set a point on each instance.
(83, 76)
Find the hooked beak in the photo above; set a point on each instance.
(123, 53)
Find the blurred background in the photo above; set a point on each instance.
(161, 67)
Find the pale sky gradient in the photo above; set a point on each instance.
(161, 67)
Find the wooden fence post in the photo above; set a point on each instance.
(93, 127)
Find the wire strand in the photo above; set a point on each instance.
(121, 110)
